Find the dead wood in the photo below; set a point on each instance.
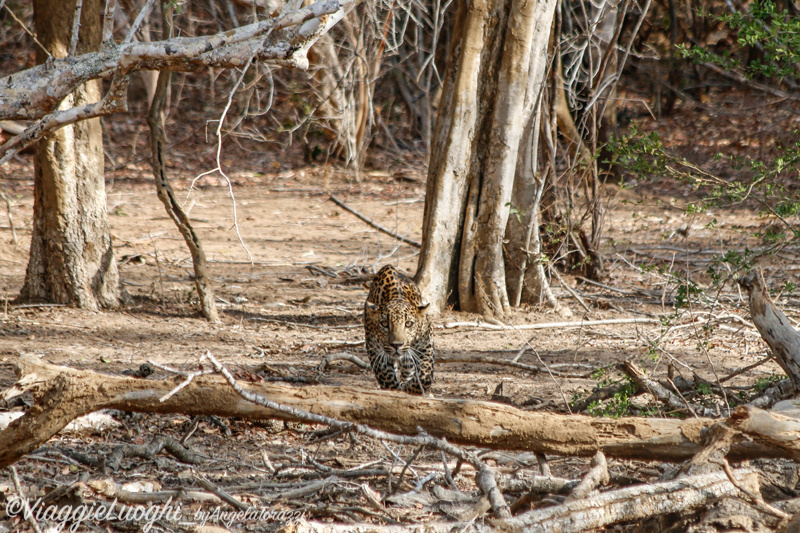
(773, 326)
(536, 484)
(744, 369)
(221, 494)
(753, 494)
(599, 395)
(773, 395)
(330, 358)
(375, 225)
(506, 362)
(148, 451)
(770, 428)
(62, 394)
(631, 503)
(672, 399)
(11, 126)
(111, 489)
(596, 476)
(554, 325)
(488, 484)
(627, 504)
(28, 514)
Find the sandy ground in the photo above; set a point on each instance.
(279, 307)
(292, 294)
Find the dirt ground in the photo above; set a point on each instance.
(288, 272)
(280, 304)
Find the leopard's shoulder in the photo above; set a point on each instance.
(389, 284)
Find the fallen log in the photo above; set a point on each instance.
(774, 429)
(773, 326)
(63, 394)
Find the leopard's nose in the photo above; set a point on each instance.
(396, 346)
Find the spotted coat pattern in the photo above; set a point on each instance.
(398, 333)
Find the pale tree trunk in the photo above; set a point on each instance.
(337, 107)
(71, 258)
(525, 275)
(495, 72)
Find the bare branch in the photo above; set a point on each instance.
(35, 92)
(108, 22)
(753, 495)
(597, 475)
(138, 22)
(22, 25)
(28, 512)
(76, 28)
(488, 485)
(375, 225)
(115, 101)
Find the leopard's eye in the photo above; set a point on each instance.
(409, 323)
(385, 324)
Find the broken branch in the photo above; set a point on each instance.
(773, 326)
(375, 225)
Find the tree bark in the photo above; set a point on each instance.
(495, 70)
(71, 258)
(631, 503)
(63, 394)
(778, 428)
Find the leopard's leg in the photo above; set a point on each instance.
(406, 367)
(418, 373)
(382, 366)
(427, 357)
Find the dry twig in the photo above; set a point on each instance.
(596, 476)
(375, 225)
(27, 509)
(553, 325)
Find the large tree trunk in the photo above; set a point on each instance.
(495, 71)
(71, 258)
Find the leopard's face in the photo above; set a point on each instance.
(396, 326)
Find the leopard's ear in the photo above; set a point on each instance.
(424, 305)
(371, 306)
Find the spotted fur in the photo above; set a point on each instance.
(398, 333)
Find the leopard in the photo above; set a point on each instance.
(398, 333)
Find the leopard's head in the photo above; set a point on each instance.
(399, 324)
